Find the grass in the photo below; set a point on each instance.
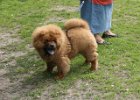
(118, 76)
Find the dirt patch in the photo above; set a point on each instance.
(8, 41)
(60, 8)
(80, 90)
(9, 37)
(54, 20)
(64, 8)
(122, 74)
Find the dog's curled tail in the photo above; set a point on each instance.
(75, 23)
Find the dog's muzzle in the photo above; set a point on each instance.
(50, 48)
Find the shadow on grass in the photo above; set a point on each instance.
(30, 79)
(22, 0)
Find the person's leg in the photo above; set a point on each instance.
(108, 16)
(88, 13)
(86, 10)
(98, 22)
(99, 39)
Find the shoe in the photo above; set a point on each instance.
(103, 43)
(109, 36)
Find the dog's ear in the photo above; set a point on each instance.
(36, 39)
(41, 34)
(58, 45)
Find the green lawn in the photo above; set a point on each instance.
(118, 77)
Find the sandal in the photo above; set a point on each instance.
(109, 36)
(103, 43)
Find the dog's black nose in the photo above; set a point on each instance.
(49, 49)
(52, 47)
(45, 49)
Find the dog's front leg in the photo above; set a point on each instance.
(50, 66)
(63, 66)
(49, 69)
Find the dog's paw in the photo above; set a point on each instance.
(94, 69)
(59, 76)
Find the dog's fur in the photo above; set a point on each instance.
(77, 38)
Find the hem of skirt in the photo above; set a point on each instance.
(99, 32)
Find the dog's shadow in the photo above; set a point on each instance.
(35, 78)
(22, 0)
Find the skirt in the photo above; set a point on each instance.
(98, 16)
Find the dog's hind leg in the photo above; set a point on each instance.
(94, 64)
(91, 57)
(94, 61)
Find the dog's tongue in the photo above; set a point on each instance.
(51, 52)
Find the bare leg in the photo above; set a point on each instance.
(99, 39)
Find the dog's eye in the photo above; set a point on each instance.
(55, 41)
(46, 41)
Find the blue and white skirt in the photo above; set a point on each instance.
(98, 16)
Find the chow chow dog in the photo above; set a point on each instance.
(56, 46)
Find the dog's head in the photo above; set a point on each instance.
(50, 48)
(47, 39)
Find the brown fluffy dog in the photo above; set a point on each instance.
(57, 47)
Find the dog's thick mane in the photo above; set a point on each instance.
(75, 23)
